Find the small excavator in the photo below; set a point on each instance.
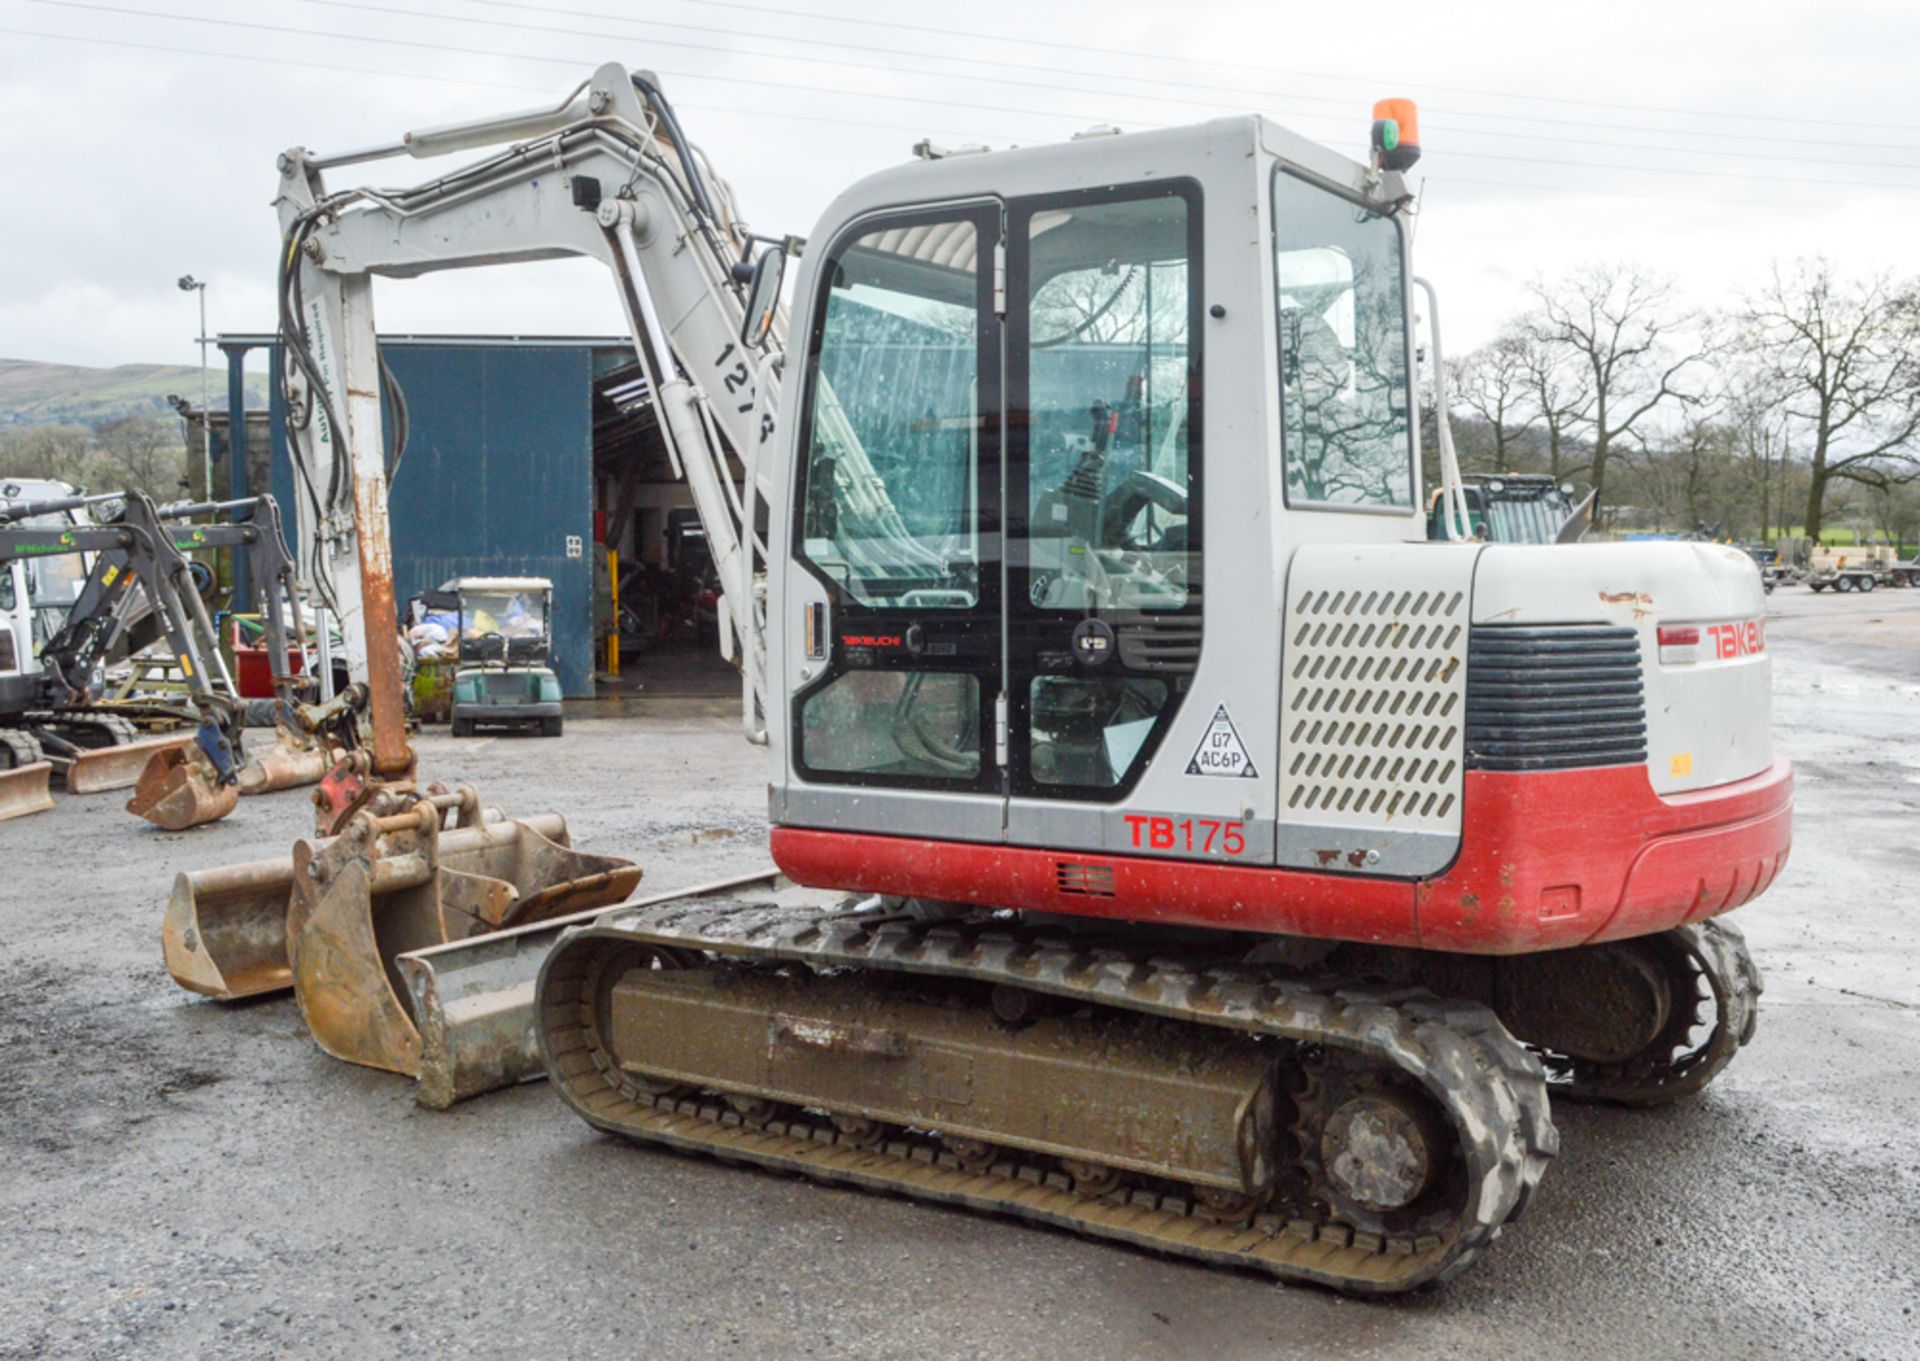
(54, 693)
(133, 583)
(1227, 869)
(252, 531)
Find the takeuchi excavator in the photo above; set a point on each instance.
(1231, 871)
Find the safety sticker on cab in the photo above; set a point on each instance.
(1221, 752)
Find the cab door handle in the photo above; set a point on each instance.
(815, 630)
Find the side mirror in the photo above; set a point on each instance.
(763, 297)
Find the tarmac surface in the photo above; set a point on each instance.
(180, 1178)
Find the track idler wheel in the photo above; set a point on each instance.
(178, 789)
(1377, 1147)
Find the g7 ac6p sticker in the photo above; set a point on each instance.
(1221, 752)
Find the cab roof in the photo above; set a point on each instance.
(497, 584)
(1101, 157)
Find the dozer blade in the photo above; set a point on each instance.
(23, 790)
(387, 886)
(289, 763)
(177, 792)
(472, 1000)
(101, 769)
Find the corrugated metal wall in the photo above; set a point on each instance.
(498, 474)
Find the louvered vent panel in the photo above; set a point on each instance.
(1084, 880)
(1373, 710)
(1373, 714)
(1554, 697)
(1170, 645)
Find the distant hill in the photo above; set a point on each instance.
(32, 393)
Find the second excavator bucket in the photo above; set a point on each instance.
(23, 790)
(225, 933)
(293, 760)
(390, 885)
(102, 769)
(178, 790)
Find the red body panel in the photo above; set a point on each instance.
(1548, 860)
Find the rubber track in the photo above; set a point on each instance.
(1492, 1088)
(1717, 952)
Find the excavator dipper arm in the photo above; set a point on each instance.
(608, 176)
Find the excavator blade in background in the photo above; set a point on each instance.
(23, 790)
(101, 769)
(472, 1000)
(177, 790)
(389, 885)
(293, 760)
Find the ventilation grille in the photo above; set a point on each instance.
(1168, 645)
(1371, 706)
(1560, 697)
(1086, 881)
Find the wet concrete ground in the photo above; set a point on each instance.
(183, 1179)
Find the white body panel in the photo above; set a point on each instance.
(1709, 722)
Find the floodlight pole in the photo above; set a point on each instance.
(189, 284)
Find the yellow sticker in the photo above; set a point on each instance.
(106, 577)
(1681, 764)
(186, 666)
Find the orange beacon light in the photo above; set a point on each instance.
(1396, 134)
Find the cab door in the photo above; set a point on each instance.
(895, 572)
(1104, 513)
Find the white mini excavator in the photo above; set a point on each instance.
(1234, 871)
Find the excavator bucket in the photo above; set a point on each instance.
(225, 932)
(293, 760)
(177, 791)
(23, 790)
(387, 886)
(472, 1000)
(101, 769)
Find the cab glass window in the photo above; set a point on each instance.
(920, 724)
(890, 510)
(1345, 380)
(1109, 315)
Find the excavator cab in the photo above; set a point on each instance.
(1109, 563)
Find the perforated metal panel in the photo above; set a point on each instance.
(1373, 708)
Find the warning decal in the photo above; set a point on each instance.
(1221, 752)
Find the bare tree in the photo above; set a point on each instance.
(1757, 424)
(1620, 324)
(1689, 476)
(1561, 392)
(1846, 356)
(56, 452)
(142, 453)
(1494, 382)
(1896, 510)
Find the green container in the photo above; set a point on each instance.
(433, 689)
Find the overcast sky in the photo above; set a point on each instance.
(1704, 139)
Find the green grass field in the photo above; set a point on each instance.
(32, 393)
